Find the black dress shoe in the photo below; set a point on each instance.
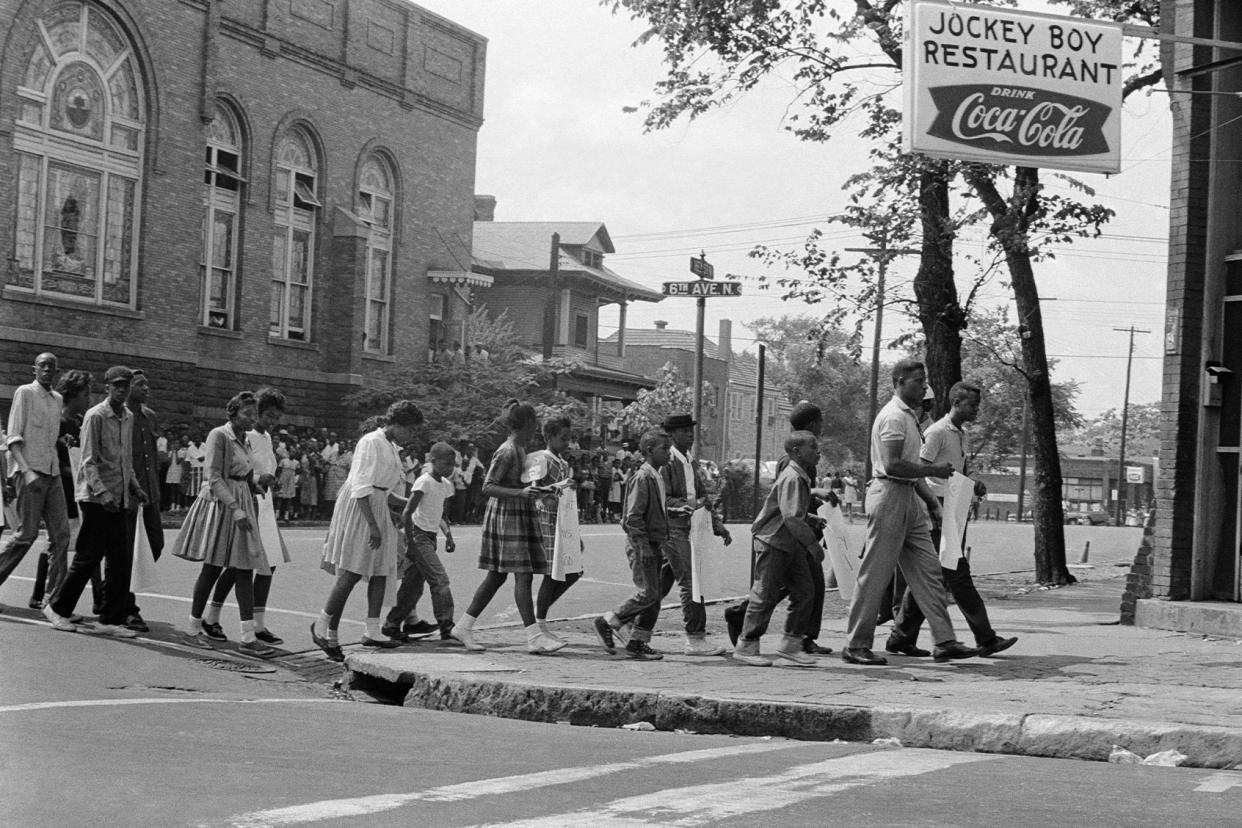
(811, 647)
(332, 651)
(420, 627)
(898, 647)
(394, 632)
(997, 645)
(863, 656)
(952, 651)
(380, 643)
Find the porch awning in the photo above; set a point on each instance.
(460, 278)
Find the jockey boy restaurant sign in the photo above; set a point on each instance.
(1003, 87)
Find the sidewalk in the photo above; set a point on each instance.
(1075, 684)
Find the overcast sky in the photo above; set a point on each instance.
(557, 145)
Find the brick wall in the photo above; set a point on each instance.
(329, 66)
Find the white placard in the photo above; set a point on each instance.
(1007, 87)
(567, 547)
(844, 565)
(958, 492)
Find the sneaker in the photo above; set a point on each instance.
(606, 635)
(198, 640)
(642, 651)
(751, 659)
(796, 658)
(255, 648)
(700, 646)
(59, 622)
(466, 637)
(419, 628)
(115, 630)
(395, 633)
(268, 637)
(544, 644)
(134, 622)
(214, 631)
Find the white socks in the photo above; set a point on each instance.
(196, 625)
(212, 615)
(533, 632)
(321, 627)
(373, 630)
(259, 622)
(466, 622)
(247, 632)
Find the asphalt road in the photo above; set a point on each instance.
(300, 588)
(205, 762)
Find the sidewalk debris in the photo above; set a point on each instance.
(887, 741)
(638, 726)
(1164, 759)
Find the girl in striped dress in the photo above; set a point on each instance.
(221, 528)
(362, 538)
(552, 471)
(512, 542)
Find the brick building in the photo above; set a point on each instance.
(517, 257)
(729, 422)
(234, 193)
(1192, 555)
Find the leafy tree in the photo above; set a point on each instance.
(671, 395)
(715, 50)
(1142, 427)
(809, 362)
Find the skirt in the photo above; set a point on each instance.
(346, 548)
(210, 535)
(512, 541)
(287, 483)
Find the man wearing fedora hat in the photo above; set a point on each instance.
(686, 492)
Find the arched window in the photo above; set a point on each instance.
(222, 183)
(375, 197)
(78, 139)
(293, 245)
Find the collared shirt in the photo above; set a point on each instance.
(146, 453)
(679, 464)
(944, 443)
(34, 421)
(107, 454)
(646, 520)
(788, 499)
(896, 421)
(261, 452)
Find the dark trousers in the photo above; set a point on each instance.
(736, 613)
(104, 537)
(780, 572)
(676, 570)
(909, 618)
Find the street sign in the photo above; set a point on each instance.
(702, 290)
(702, 269)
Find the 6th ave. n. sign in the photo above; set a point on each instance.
(702, 289)
(1004, 87)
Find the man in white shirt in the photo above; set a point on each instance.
(897, 530)
(945, 441)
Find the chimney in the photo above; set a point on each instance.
(485, 208)
(1097, 450)
(661, 324)
(724, 341)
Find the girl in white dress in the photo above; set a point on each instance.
(363, 541)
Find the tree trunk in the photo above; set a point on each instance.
(940, 314)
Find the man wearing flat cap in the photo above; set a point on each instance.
(685, 492)
(107, 489)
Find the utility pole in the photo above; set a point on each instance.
(882, 256)
(763, 361)
(1125, 420)
(554, 298)
(699, 334)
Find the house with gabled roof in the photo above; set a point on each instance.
(518, 257)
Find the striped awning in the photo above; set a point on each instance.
(460, 278)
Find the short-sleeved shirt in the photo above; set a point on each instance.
(34, 421)
(261, 452)
(896, 421)
(430, 508)
(944, 442)
(376, 466)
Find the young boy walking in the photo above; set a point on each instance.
(422, 519)
(646, 529)
(785, 546)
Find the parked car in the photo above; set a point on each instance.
(1091, 517)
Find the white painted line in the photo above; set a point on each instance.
(711, 803)
(1220, 782)
(22, 708)
(366, 805)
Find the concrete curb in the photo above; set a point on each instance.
(1066, 737)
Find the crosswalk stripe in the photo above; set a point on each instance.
(708, 804)
(366, 805)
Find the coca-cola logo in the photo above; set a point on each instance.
(1018, 119)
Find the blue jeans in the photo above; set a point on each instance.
(421, 565)
(42, 500)
(644, 607)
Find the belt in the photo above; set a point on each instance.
(241, 478)
(898, 481)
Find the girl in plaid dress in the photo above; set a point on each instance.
(512, 542)
(554, 473)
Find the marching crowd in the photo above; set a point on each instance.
(94, 477)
